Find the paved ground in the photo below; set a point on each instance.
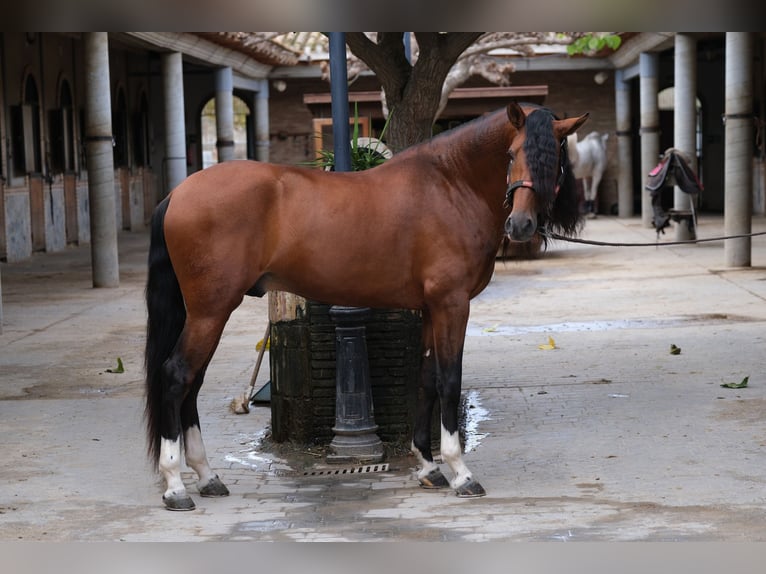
(607, 437)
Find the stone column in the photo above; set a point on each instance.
(224, 114)
(738, 141)
(99, 144)
(650, 128)
(175, 126)
(685, 122)
(262, 141)
(624, 146)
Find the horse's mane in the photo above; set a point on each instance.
(540, 146)
(564, 217)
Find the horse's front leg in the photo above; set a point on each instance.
(449, 326)
(429, 474)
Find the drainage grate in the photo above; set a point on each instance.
(353, 470)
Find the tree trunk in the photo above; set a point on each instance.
(412, 92)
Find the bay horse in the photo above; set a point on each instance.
(419, 231)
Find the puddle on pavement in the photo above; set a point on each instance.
(652, 323)
(252, 457)
(473, 414)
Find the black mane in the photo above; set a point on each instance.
(548, 161)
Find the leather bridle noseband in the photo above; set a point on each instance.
(513, 186)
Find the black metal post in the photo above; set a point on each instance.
(355, 430)
(355, 437)
(339, 101)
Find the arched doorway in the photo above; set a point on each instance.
(242, 147)
(666, 105)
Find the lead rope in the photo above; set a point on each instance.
(551, 235)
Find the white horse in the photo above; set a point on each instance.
(588, 159)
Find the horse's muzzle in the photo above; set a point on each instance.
(520, 227)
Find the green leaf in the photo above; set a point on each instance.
(613, 41)
(592, 43)
(741, 385)
(118, 369)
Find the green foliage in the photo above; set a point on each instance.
(119, 368)
(591, 43)
(741, 385)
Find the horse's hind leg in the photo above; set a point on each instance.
(209, 484)
(183, 373)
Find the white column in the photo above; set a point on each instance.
(650, 128)
(624, 146)
(685, 120)
(98, 137)
(738, 142)
(224, 114)
(175, 127)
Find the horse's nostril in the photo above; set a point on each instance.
(529, 226)
(519, 228)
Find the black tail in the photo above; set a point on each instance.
(166, 317)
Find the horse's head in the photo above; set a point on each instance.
(538, 170)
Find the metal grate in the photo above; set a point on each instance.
(353, 470)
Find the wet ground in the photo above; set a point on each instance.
(580, 423)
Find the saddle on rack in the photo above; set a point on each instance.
(673, 169)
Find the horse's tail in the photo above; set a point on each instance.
(166, 316)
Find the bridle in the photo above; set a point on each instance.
(513, 186)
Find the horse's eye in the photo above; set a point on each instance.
(511, 156)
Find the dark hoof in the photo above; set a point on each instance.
(214, 489)
(470, 489)
(434, 479)
(179, 502)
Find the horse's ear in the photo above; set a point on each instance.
(563, 128)
(516, 115)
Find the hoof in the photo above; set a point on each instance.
(214, 489)
(433, 480)
(180, 502)
(470, 489)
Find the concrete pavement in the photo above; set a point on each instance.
(606, 437)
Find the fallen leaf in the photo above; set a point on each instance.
(491, 329)
(675, 350)
(259, 345)
(118, 369)
(551, 345)
(741, 385)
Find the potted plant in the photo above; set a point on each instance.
(366, 152)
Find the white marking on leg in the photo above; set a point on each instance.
(453, 456)
(426, 466)
(196, 457)
(170, 467)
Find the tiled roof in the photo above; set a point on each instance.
(260, 46)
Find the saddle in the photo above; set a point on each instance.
(673, 169)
